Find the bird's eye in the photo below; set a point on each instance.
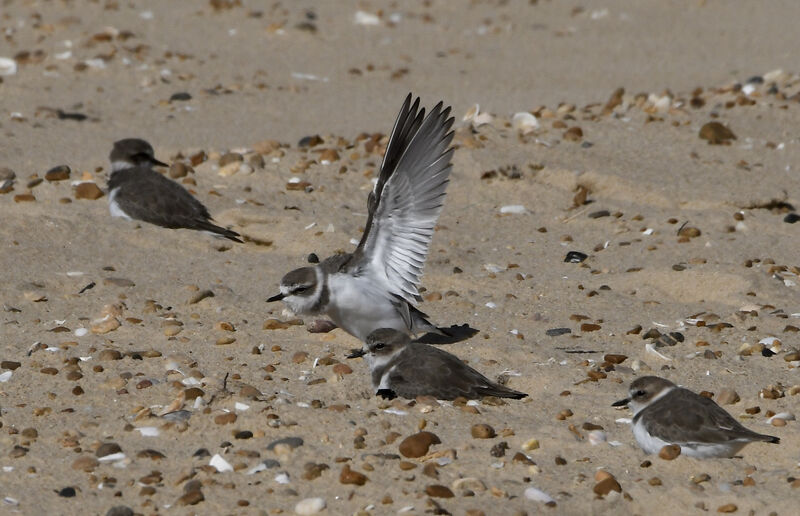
(380, 345)
(639, 394)
(300, 289)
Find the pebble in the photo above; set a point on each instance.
(524, 122)
(275, 324)
(8, 66)
(106, 326)
(555, 332)
(88, 190)
(179, 169)
(107, 449)
(67, 492)
(59, 173)
(321, 326)
(669, 452)
(291, 442)
(199, 296)
(530, 445)
(575, 257)
(418, 444)
(606, 485)
(120, 510)
(573, 134)
(791, 218)
(85, 463)
(689, 232)
(482, 431)
(727, 397)
(728, 507)
(310, 506)
(351, 477)
(468, 483)
(716, 134)
(439, 491)
(191, 498)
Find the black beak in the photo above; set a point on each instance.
(277, 297)
(154, 161)
(621, 403)
(355, 353)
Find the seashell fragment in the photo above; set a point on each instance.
(524, 122)
(7, 66)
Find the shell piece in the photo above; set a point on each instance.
(7, 66)
(365, 18)
(524, 122)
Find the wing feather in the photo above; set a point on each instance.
(408, 198)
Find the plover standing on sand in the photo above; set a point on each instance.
(666, 414)
(136, 191)
(376, 285)
(400, 367)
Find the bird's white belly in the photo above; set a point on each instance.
(652, 444)
(359, 308)
(113, 205)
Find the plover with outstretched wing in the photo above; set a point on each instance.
(376, 285)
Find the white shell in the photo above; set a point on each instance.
(365, 18)
(515, 209)
(538, 495)
(309, 506)
(471, 113)
(7, 66)
(524, 122)
(220, 464)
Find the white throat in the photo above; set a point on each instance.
(638, 407)
(118, 165)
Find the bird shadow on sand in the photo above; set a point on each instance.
(453, 334)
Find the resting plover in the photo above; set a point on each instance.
(400, 367)
(136, 191)
(666, 414)
(376, 285)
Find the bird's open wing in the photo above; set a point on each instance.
(407, 199)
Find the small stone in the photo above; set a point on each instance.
(191, 498)
(555, 332)
(180, 96)
(606, 485)
(417, 445)
(310, 506)
(342, 369)
(328, 156)
(791, 218)
(614, 359)
(67, 492)
(727, 397)
(107, 449)
(85, 463)
(225, 419)
(349, 476)
(18, 451)
(26, 197)
(573, 134)
(321, 326)
(575, 257)
(230, 157)
(299, 357)
(689, 232)
(59, 173)
(110, 354)
(88, 190)
(669, 452)
(248, 391)
(106, 326)
(290, 442)
(313, 470)
(439, 491)
(728, 507)
(120, 510)
(482, 431)
(716, 133)
(179, 169)
(275, 324)
(530, 445)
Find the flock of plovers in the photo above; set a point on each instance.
(371, 293)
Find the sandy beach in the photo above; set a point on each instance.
(142, 371)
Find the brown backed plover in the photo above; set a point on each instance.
(666, 414)
(400, 367)
(136, 191)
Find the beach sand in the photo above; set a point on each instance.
(133, 355)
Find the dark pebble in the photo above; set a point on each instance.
(244, 434)
(181, 95)
(67, 492)
(766, 352)
(313, 258)
(499, 449)
(791, 218)
(120, 510)
(309, 141)
(555, 332)
(293, 442)
(575, 257)
(599, 213)
(756, 79)
(271, 463)
(201, 453)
